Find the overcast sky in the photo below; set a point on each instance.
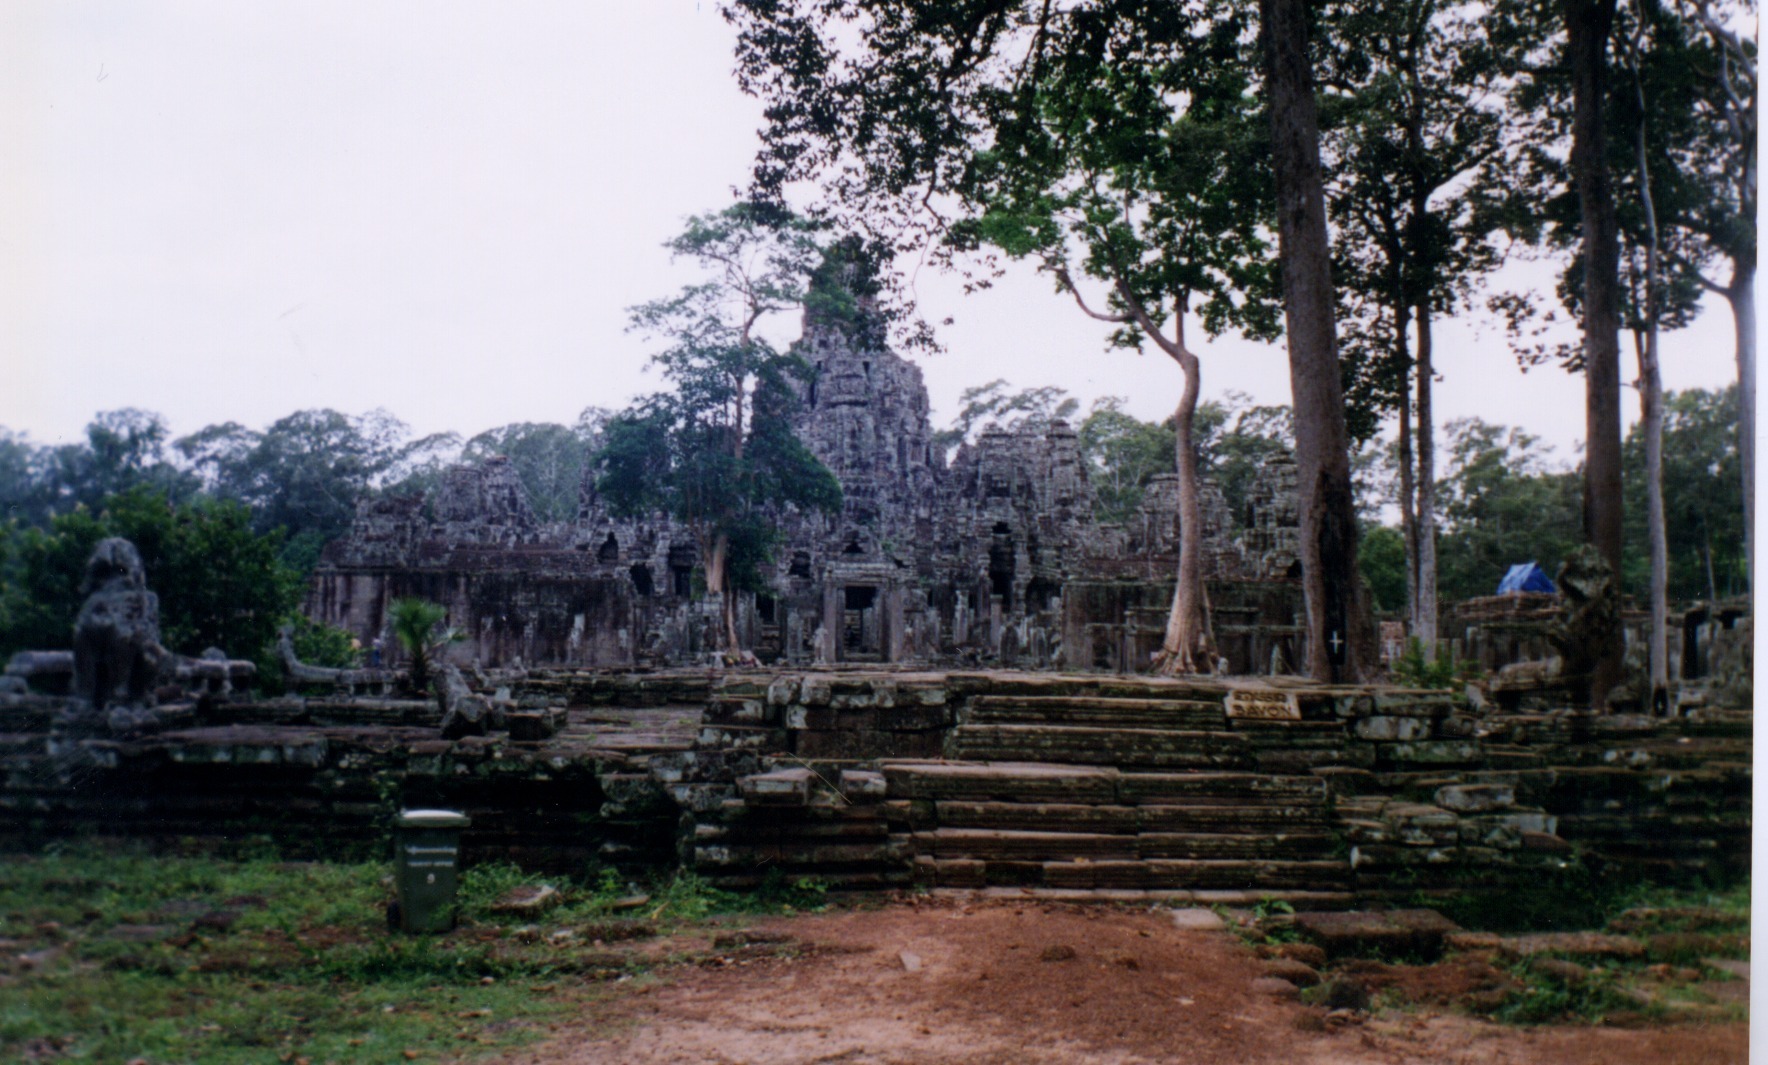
(227, 211)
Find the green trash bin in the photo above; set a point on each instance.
(426, 866)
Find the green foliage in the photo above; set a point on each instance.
(549, 459)
(1122, 453)
(1027, 410)
(1415, 670)
(1412, 133)
(718, 452)
(307, 471)
(1547, 997)
(1703, 497)
(219, 583)
(1381, 556)
(1501, 502)
(417, 625)
(319, 644)
(1237, 438)
(123, 449)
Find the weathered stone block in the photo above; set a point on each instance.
(1434, 752)
(783, 691)
(1396, 931)
(862, 786)
(1476, 798)
(534, 726)
(1389, 728)
(782, 787)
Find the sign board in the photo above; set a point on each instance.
(1263, 705)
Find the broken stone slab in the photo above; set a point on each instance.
(534, 726)
(862, 785)
(1476, 798)
(1198, 919)
(1275, 987)
(1296, 972)
(1576, 944)
(527, 899)
(1393, 931)
(781, 787)
(1389, 729)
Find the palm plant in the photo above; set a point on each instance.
(416, 625)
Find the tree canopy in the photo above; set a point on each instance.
(718, 451)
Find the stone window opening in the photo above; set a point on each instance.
(1001, 565)
(800, 565)
(641, 579)
(609, 551)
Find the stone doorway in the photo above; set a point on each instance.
(860, 630)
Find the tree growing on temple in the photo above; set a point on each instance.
(718, 452)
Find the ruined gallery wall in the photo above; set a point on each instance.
(996, 558)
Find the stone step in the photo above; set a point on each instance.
(1007, 781)
(1091, 685)
(1094, 711)
(1300, 900)
(1042, 816)
(1017, 845)
(1220, 788)
(1290, 846)
(1154, 874)
(988, 844)
(1150, 748)
(1120, 819)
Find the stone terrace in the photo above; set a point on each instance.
(1107, 786)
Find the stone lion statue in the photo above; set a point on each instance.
(117, 652)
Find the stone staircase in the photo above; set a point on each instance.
(1153, 792)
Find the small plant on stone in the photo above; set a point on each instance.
(1413, 670)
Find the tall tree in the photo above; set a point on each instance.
(1341, 642)
(718, 452)
(1588, 26)
(1417, 128)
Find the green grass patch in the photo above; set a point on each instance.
(113, 954)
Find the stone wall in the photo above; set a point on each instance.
(1213, 791)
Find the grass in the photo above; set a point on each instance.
(1678, 927)
(118, 955)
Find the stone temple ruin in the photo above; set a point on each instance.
(892, 741)
(994, 558)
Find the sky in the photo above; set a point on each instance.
(230, 212)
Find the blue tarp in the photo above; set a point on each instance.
(1525, 577)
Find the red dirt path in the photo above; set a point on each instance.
(1134, 990)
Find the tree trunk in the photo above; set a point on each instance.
(1588, 23)
(1408, 485)
(1341, 636)
(1427, 526)
(718, 583)
(1742, 297)
(1651, 417)
(1189, 647)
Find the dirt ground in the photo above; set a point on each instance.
(939, 982)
